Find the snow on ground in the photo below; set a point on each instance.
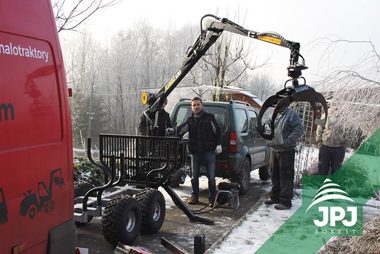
(256, 227)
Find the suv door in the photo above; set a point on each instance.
(258, 148)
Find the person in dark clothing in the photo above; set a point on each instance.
(205, 140)
(288, 129)
(146, 128)
(333, 147)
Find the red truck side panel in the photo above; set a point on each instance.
(36, 186)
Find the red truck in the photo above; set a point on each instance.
(36, 178)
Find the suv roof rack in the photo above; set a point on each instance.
(239, 102)
(184, 99)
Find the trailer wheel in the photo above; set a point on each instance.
(80, 189)
(153, 211)
(121, 220)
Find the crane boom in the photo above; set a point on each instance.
(211, 29)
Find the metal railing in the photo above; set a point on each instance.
(147, 160)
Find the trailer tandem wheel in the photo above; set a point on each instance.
(121, 220)
(153, 209)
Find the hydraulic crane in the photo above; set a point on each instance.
(211, 29)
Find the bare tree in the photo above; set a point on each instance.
(354, 88)
(88, 114)
(69, 14)
(225, 63)
(358, 113)
(228, 60)
(261, 85)
(173, 47)
(139, 58)
(364, 72)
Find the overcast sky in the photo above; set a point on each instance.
(302, 21)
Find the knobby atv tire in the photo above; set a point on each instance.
(243, 179)
(153, 211)
(80, 189)
(264, 173)
(121, 220)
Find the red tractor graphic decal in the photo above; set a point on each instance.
(42, 200)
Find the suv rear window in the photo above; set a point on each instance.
(184, 111)
(241, 120)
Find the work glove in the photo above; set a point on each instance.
(218, 149)
(169, 131)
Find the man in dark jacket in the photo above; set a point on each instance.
(146, 127)
(204, 142)
(288, 129)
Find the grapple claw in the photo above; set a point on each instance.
(277, 102)
(284, 98)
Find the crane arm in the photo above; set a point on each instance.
(211, 29)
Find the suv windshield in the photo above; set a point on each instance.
(184, 112)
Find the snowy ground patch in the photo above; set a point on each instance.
(255, 228)
(252, 231)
